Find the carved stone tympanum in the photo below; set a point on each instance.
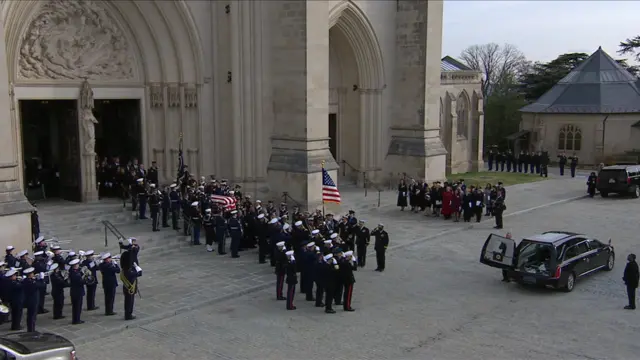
(70, 40)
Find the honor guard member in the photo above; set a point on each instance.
(70, 256)
(57, 257)
(275, 235)
(166, 208)
(77, 291)
(328, 245)
(5, 295)
(221, 231)
(22, 260)
(152, 173)
(129, 277)
(132, 246)
(58, 283)
(498, 208)
(509, 160)
(380, 246)
(40, 267)
(16, 296)
(92, 281)
(262, 230)
(318, 275)
(196, 223)
(109, 269)
(209, 229)
(363, 238)
(141, 193)
(330, 275)
(491, 157)
(347, 267)
(574, 164)
(562, 162)
(9, 259)
(31, 288)
(235, 231)
(292, 279)
(40, 245)
(306, 270)
(175, 206)
(154, 206)
(338, 256)
(280, 271)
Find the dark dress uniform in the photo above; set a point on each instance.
(92, 284)
(196, 224)
(221, 230)
(574, 164)
(17, 303)
(154, 205)
(235, 231)
(402, 196)
(166, 207)
(77, 295)
(562, 162)
(363, 237)
(262, 231)
(41, 267)
(175, 208)
(498, 209)
(141, 193)
(109, 285)
(292, 281)
(58, 283)
(31, 288)
(131, 275)
(10, 260)
(307, 268)
(631, 278)
(380, 245)
(209, 229)
(331, 274)
(319, 279)
(346, 275)
(280, 271)
(478, 204)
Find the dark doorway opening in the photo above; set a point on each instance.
(118, 132)
(333, 135)
(51, 149)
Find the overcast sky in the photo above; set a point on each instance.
(541, 29)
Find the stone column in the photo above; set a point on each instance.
(300, 69)
(15, 210)
(86, 122)
(416, 147)
(480, 135)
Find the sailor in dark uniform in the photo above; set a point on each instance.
(31, 288)
(9, 259)
(58, 283)
(174, 197)
(166, 208)
(77, 291)
(16, 298)
(39, 265)
(235, 231)
(92, 281)
(129, 277)
(154, 206)
(109, 269)
(292, 279)
(141, 193)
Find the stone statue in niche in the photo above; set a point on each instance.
(174, 96)
(88, 120)
(156, 96)
(71, 40)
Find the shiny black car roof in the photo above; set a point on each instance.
(31, 343)
(552, 237)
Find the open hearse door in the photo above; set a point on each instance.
(498, 251)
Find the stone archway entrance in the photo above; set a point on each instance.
(356, 83)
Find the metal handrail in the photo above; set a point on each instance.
(375, 186)
(285, 196)
(344, 168)
(109, 226)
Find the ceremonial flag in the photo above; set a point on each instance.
(330, 193)
(180, 159)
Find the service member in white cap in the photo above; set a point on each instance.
(306, 266)
(141, 194)
(77, 291)
(154, 199)
(22, 259)
(92, 281)
(280, 264)
(363, 237)
(292, 279)
(40, 244)
(57, 256)
(380, 246)
(208, 222)
(262, 231)
(58, 284)
(109, 270)
(9, 259)
(235, 232)
(31, 290)
(16, 298)
(347, 266)
(329, 276)
(174, 197)
(40, 267)
(328, 244)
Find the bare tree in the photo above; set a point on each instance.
(499, 64)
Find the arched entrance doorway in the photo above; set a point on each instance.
(142, 60)
(356, 83)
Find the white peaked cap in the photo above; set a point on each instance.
(74, 262)
(298, 223)
(334, 235)
(273, 221)
(289, 253)
(232, 192)
(53, 266)
(140, 180)
(311, 244)
(195, 203)
(71, 253)
(39, 239)
(10, 273)
(315, 232)
(317, 248)
(152, 185)
(234, 212)
(88, 253)
(380, 224)
(259, 201)
(261, 216)
(281, 243)
(9, 248)
(2, 263)
(23, 253)
(286, 226)
(38, 253)
(172, 186)
(328, 257)
(348, 253)
(28, 270)
(80, 252)
(106, 256)
(293, 258)
(200, 187)
(131, 240)
(55, 247)
(208, 211)
(328, 241)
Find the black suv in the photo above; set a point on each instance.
(554, 258)
(620, 179)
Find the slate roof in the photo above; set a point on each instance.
(450, 64)
(597, 86)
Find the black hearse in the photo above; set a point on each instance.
(555, 258)
(620, 179)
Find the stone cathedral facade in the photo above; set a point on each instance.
(263, 92)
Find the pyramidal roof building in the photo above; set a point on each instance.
(593, 112)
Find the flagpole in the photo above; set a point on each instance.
(322, 164)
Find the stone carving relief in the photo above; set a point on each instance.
(156, 96)
(70, 40)
(87, 119)
(173, 93)
(190, 97)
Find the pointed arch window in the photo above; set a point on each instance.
(462, 111)
(570, 138)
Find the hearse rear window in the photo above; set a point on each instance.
(618, 174)
(534, 257)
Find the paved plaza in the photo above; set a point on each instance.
(434, 301)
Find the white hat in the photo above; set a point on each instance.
(286, 226)
(311, 244)
(22, 253)
(317, 248)
(71, 253)
(328, 241)
(2, 263)
(53, 266)
(55, 247)
(152, 185)
(334, 235)
(273, 221)
(280, 244)
(28, 270)
(131, 240)
(88, 253)
(380, 225)
(39, 239)
(234, 212)
(328, 257)
(38, 253)
(315, 232)
(261, 216)
(9, 248)
(159, 192)
(140, 180)
(231, 192)
(348, 253)
(200, 187)
(80, 252)
(363, 221)
(172, 186)
(298, 223)
(289, 253)
(195, 203)
(74, 262)
(10, 273)
(259, 201)
(106, 256)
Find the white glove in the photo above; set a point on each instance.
(41, 276)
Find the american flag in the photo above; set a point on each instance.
(180, 160)
(330, 191)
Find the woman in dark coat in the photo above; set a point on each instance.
(402, 195)
(456, 204)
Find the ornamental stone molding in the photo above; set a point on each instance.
(72, 40)
(190, 97)
(173, 94)
(156, 96)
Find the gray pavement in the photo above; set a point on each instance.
(434, 301)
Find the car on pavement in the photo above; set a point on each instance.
(619, 179)
(36, 346)
(555, 258)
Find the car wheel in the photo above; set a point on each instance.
(604, 193)
(636, 192)
(571, 283)
(610, 262)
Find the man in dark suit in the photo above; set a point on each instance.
(630, 278)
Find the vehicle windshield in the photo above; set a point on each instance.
(534, 257)
(618, 174)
